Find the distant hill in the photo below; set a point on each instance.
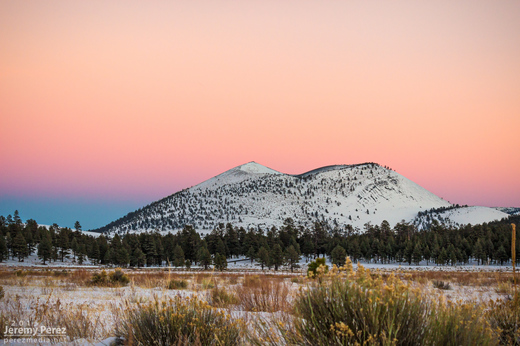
(253, 195)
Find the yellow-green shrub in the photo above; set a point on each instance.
(359, 308)
(178, 321)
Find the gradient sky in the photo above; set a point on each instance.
(108, 106)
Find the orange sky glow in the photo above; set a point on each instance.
(136, 100)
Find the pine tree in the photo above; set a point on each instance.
(178, 256)
(417, 254)
(19, 247)
(220, 262)
(9, 243)
(63, 243)
(74, 248)
(408, 252)
(277, 256)
(45, 247)
(263, 257)
(3, 248)
(479, 253)
(140, 257)
(109, 257)
(17, 220)
(81, 253)
(251, 253)
(293, 257)
(122, 256)
(427, 254)
(95, 257)
(204, 257)
(443, 257)
(502, 255)
(452, 255)
(220, 247)
(339, 255)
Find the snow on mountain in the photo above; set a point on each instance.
(456, 216)
(509, 210)
(253, 195)
(236, 175)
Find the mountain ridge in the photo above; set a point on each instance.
(253, 195)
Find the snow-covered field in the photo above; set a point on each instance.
(67, 290)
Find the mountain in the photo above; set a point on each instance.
(253, 195)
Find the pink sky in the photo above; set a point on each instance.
(139, 99)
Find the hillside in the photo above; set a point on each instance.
(252, 195)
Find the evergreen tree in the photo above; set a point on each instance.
(81, 253)
(408, 252)
(502, 255)
(263, 257)
(187, 263)
(149, 250)
(293, 257)
(77, 226)
(19, 247)
(338, 256)
(3, 248)
(29, 242)
(9, 243)
(178, 256)
(139, 257)
(220, 262)
(204, 257)
(220, 247)
(74, 248)
(95, 253)
(277, 256)
(417, 254)
(479, 253)
(251, 253)
(452, 255)
(63, 243)
(122, 256)
(109, 257)
(443, 257)
(45, 247)
(427, 254)
(17, 220)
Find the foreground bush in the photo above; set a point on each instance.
(177, 284)
(178, 321)
(504, 317)
(358, 308)
(117, 278)
(221, 297)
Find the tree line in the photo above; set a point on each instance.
(489, 243)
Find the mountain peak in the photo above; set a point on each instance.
(255, 168)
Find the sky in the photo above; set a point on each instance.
(108, 106)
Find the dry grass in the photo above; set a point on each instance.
(80, 320)
(264, 295)
(475, 279)
(222, 297)
(93, 312)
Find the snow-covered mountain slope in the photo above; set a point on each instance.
(253, 195)
(456, 216)
(509, 210)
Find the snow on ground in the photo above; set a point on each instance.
(239, 264)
